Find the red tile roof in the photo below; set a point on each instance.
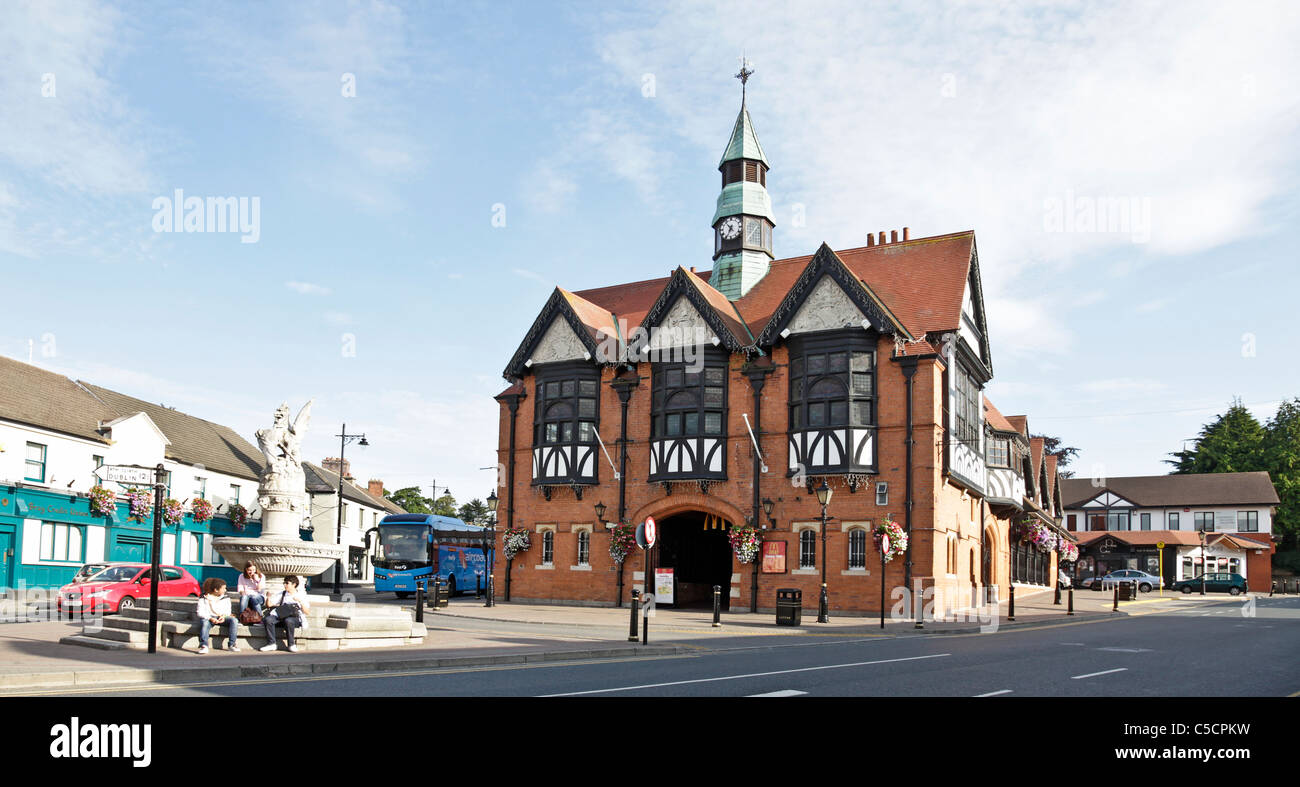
(921, 281)
(1020, 423)
(995, 419)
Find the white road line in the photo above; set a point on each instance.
(1095, 674)
(750, 675)
(1072, 643)
(994, 693)
(783, 693)
(1127, 650)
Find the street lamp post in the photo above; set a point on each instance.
(490, 538)
(823, 605)
(344, 439)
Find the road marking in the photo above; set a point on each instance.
(749, 675)
(1072, 643)
(1127, 650)
(783, 693)
(994, 693)
(1095, 674)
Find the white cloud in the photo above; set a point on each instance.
(1153, 305)
(1124, 386)
(338, 318)
(533, 275)
(307, 288)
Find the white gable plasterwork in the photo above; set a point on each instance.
(681, 325)
(827, 307)
(559, 343)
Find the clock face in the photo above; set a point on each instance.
(730, 228)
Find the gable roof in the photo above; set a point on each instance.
(1020, 423)
(995, 419)
(713, 307)
(1181, 490)
(322, 481)
(592, 324)
(36, 397)
(192, 441)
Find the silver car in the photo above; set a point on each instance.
(1145, 582)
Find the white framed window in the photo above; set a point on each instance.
(214, 557)
(192, 547)
(882, 493)
(548, 547)
(65, 543)
(584, 548)
(857, 548)
(200, 488)
(234, 494)
(808, 549)
(35, 467)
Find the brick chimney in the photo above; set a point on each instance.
(375, 488)
(332, 464)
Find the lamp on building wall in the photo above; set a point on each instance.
(823, 605)
(767, 511)
(600, 512)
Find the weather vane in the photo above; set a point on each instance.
(746, 68)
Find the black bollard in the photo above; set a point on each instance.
(632, 635)
(1070, 609)
(478, 586)
(491, 592)
(1057, 601)
(419, 602)
(1272, 588)
(437, 595)
(1011, 605)
(717, 606)
(1116, 607)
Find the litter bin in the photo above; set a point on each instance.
(1127, 591)
(789, 606)
(442, 594)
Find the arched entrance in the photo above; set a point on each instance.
(699, 558)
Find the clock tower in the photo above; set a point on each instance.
(742, 224)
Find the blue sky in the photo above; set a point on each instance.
(598, 128)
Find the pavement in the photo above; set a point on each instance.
(469, 634)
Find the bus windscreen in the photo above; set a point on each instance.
(403, 542)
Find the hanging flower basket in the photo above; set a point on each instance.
(202, 511)
(172, 512)
(516, 541)
(238, 516)
(622, 538)
(102, 501)
(897, 538)
(744, 542)
(141, 501)
(1069, 551)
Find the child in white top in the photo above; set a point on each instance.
(214, 610)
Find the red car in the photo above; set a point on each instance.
(121, 586)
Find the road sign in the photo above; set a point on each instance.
(126, 474)
(1160, 545)
(646, 533)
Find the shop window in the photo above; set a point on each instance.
(64, 543)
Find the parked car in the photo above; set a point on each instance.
(1062, 580)
(121, 586)
(89, 570)
(1145, 582)
(1234, 584)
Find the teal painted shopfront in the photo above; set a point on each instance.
(46, 536)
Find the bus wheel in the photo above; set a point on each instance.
(403, 594)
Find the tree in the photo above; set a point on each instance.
(1052, 447)
(1281, 456)
(1233, 443)
(475, 512)
(444, 506)
(410, 499)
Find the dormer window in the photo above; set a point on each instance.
(999, 454)
(565, 420)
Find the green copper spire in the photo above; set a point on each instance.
(743, 142)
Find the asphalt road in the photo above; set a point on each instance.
(1207, 650)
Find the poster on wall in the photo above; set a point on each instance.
(773, 557)
(663, 586)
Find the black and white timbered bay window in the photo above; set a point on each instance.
(565, 420)
(689, 419)
(833, 402)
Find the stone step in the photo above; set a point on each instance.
(94, 642)
(142, 613)
(120, 635)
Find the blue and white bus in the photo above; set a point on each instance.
(411, 548)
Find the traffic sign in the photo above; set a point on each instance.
(646, 533)
(1160, 545)
(126, 474)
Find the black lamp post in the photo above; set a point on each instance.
(344, 439)
(767, 511)
(823, 607)
(1205, 565)
(600, 512)
(490, 538)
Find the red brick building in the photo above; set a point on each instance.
(861, 368)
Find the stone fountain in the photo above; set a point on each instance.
(282, 494)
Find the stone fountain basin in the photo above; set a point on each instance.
(279, 557)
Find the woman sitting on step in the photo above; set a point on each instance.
(290, 608)
(214, 610)
(252, 588)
